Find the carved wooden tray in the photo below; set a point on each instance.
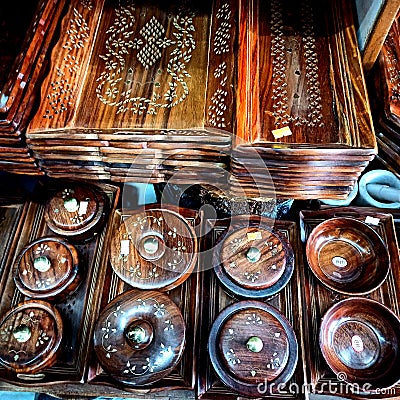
(186, 297)
(317, 299)
(215, 299)
(77, 310)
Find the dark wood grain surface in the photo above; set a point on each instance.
(317, 298)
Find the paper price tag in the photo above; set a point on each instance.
(372, 220)
(281, 132)
(83, 205)
(124, 247)
(254, 236)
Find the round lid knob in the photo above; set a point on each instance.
(140, 337)
(47, 268)
(251, 343)
(154, 249)
(254, 260)
(76, 210)
(30, 336)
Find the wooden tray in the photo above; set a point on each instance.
(214, 299)
(317, 299)
(185, 296)
(76, 310)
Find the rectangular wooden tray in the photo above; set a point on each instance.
(214, 299)
(317, 299)
(77, 310)
(186, 297)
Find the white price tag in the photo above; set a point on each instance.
(372, 220)
(124, 247)
(83, 205)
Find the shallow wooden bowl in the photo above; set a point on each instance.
(360, 339)
(347, 256)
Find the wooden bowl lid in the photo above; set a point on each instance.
(360, 340)
(140, 337)
(347, 256)
(30, 336)
(47, 268)
(254, 261)
(252, 342)
(75, 210)
(154, 249)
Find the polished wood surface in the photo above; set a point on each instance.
(48, 268)
(359, 340)
(347, 256)
(31, 335)
(139, 338)
(154, 249)
(317, 298)
(77, 310)
(186, 296)
(253, 260)
(215, 299)
(251, 343)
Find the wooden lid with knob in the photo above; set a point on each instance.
(251, 343)
(76, 211)
(154, 249)
(30, 337)
(140, 337)
(47, 268)
(254, 260)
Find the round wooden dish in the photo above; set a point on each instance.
(250, 343)
(253, 260)
(348, 256)
(360, 340)
(77, 212)
(154, 249)
(30, 337)
(139, 337)
(47, 268)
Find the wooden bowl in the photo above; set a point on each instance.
(252, 343)
(347, 256)
(253, 260)
(139, 337)
(77, 211)
(47, 268)
(360, 341)
(30, 337)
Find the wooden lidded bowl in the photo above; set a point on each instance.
(77, 212)
(139, 337)
(360, 341)
(347, 256)
(252, 343)
(30, 337)
(254, 260)
(47, 268)
(154, 249)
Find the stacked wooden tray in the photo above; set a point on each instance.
(302, 113)
(385, 98)
(25, 42)
(138, 91)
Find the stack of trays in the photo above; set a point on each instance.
(25, 41)
(141, 92)
(302, 118)
(385, 98)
